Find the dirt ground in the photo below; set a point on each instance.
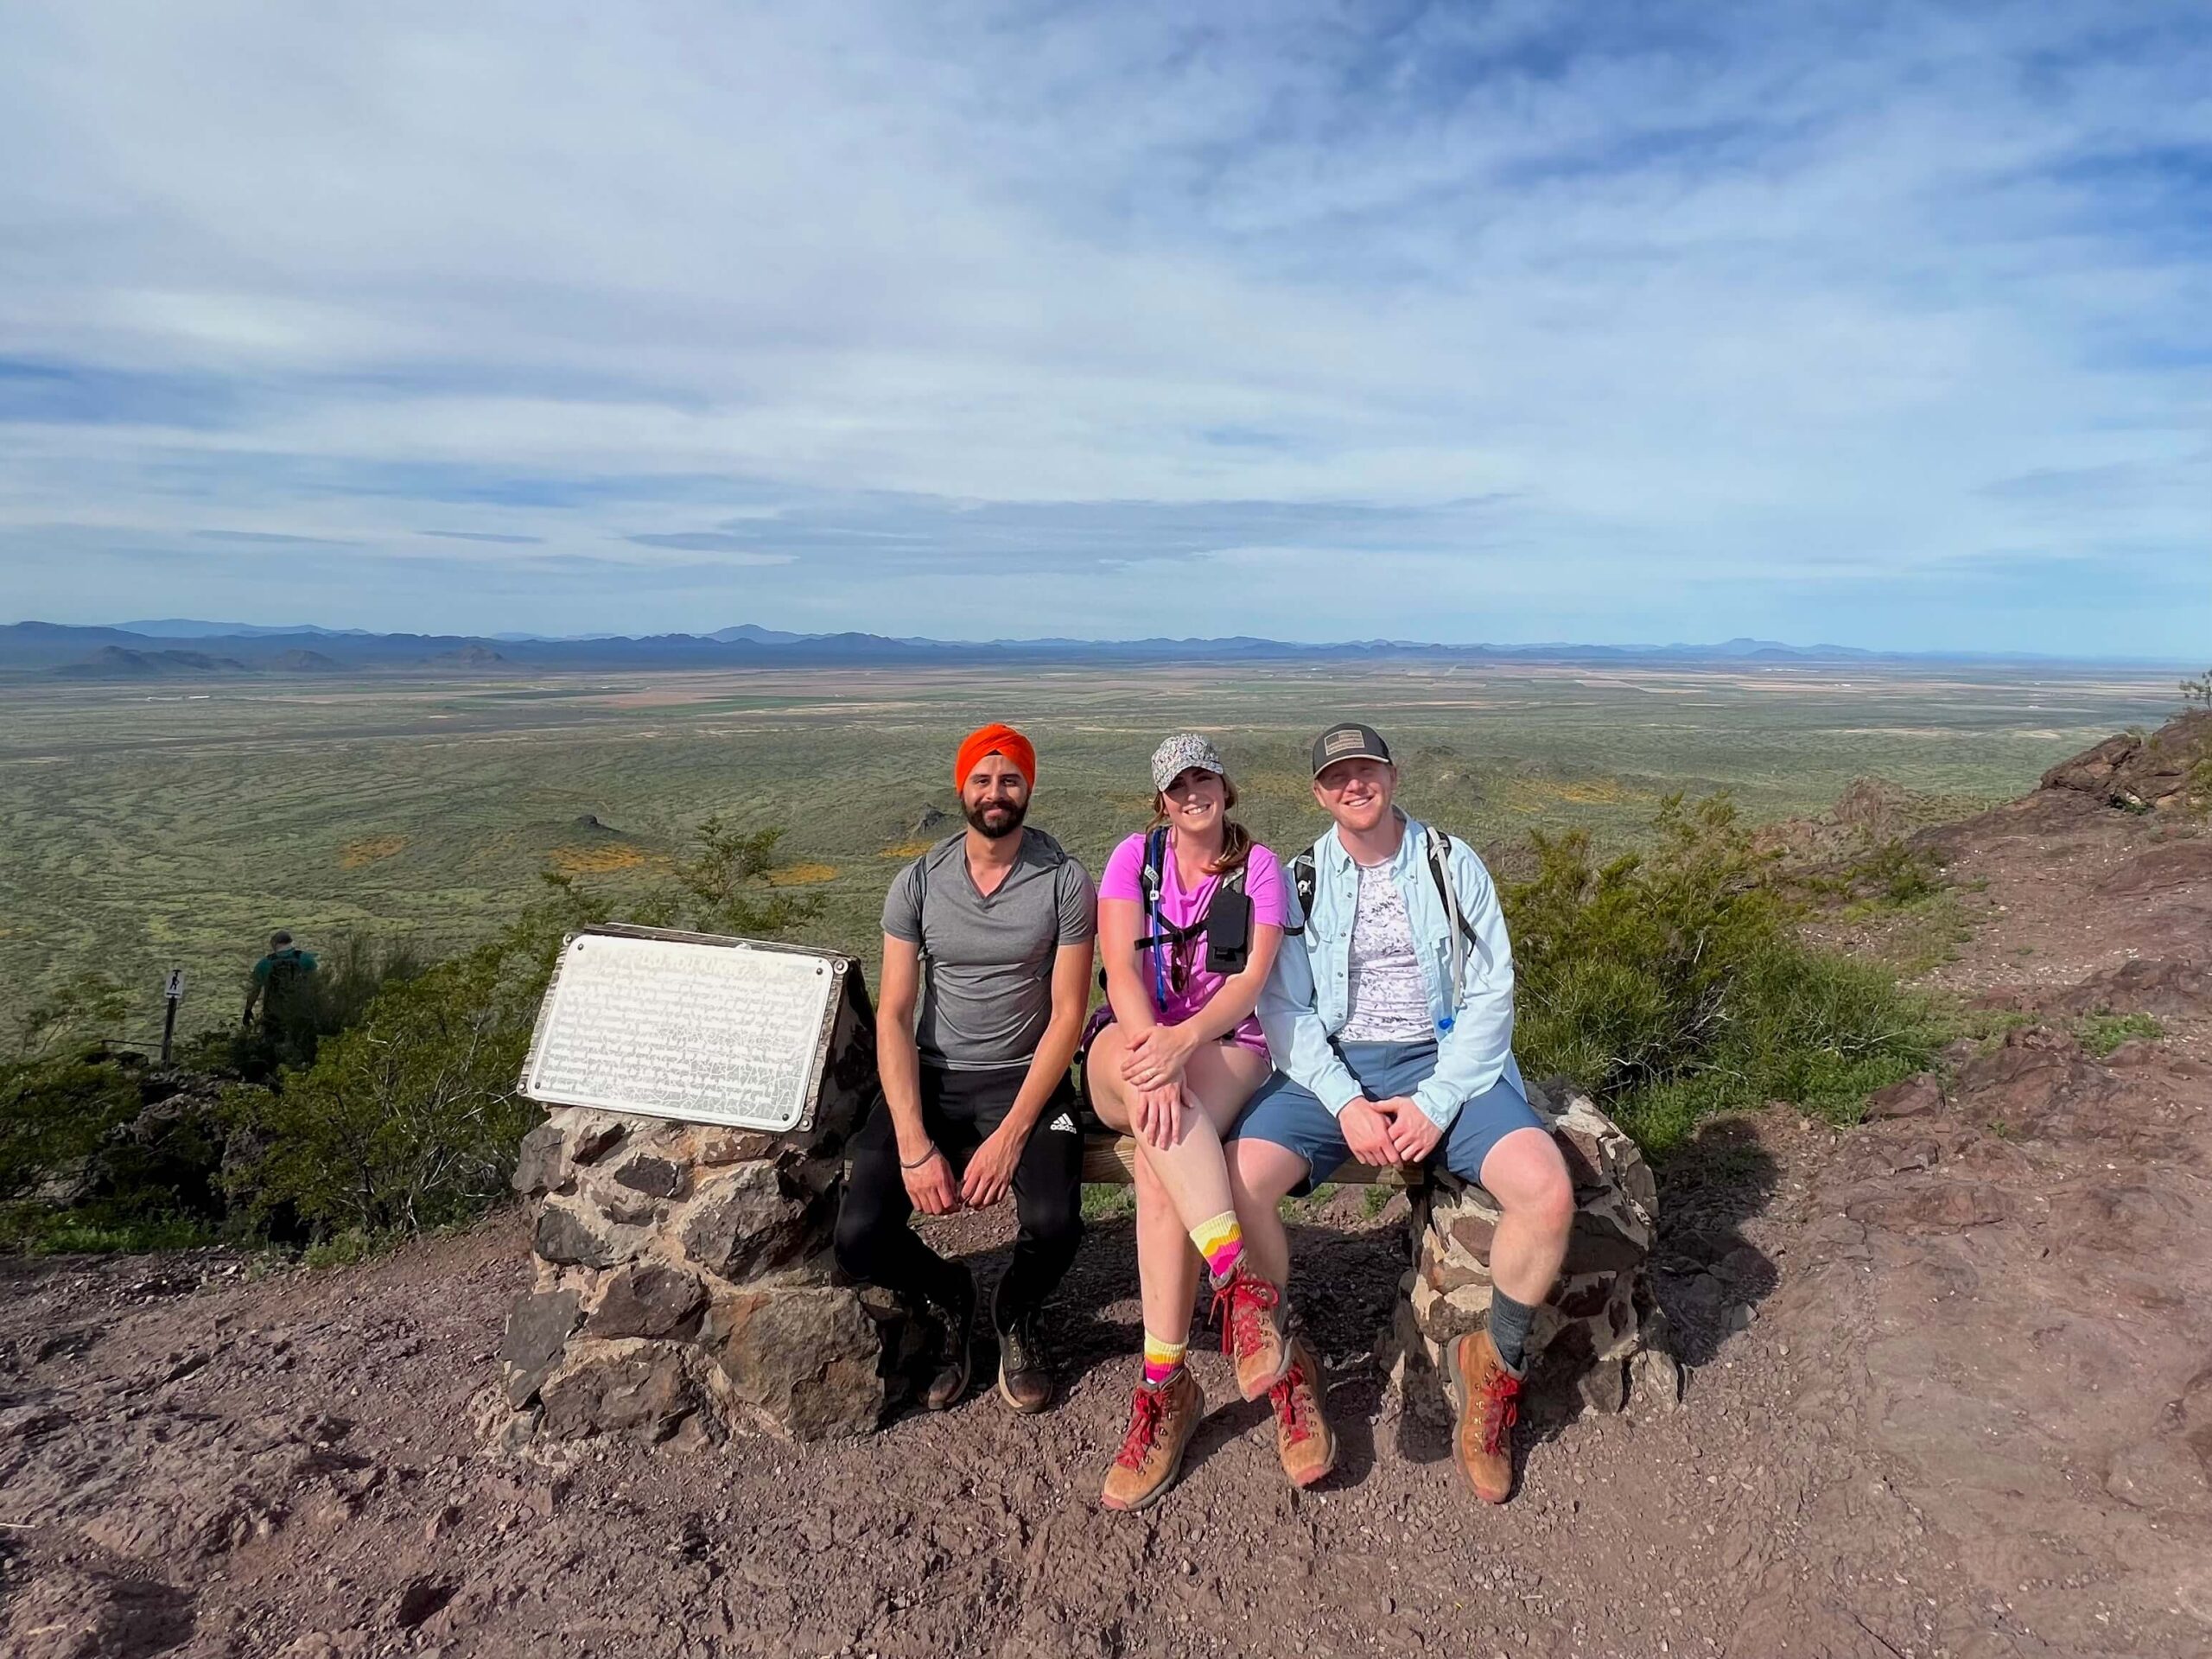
(1950, 1395)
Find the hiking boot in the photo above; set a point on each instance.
(1025, 1370)
(1162, 1418)
(1304, 1441)
(1482, 1443)
(955, 1351)
(1251, 1330)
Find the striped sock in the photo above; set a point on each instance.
(1220, 1241)
(1161, 1359)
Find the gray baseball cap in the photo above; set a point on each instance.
(1180, 754)
(1349, 741)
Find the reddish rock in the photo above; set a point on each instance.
(1917, 1097)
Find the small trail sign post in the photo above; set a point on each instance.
(172, 994)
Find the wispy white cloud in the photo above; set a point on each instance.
(1718, 310)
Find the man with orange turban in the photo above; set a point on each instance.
(976, 1100)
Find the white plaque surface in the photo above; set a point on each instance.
(717, 1033)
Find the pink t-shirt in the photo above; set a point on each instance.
(1124, 878)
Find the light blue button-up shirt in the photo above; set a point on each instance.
(1307, 997)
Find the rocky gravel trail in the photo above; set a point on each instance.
(1950, 1393)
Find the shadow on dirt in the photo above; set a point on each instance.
(1708, 1277)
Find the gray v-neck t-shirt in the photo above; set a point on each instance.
(987, 973)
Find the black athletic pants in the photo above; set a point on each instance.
(875, 1237)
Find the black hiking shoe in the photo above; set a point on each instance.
(955, 1354)
(1025, 1369)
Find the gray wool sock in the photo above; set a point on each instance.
(1509, 1330)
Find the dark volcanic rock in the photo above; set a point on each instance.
(649, 1299)
(807, 1357)
(577, 1237)
(744, 1221)
(538, 1326)
(631, 1387)
(660, 1177)
(542, 1164)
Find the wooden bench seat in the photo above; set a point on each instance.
(1111, 1160)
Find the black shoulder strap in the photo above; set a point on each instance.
(1302, 882)
(1439, 869)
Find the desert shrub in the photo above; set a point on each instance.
(1670, 984)
(408, 1119)
(1893, 873)
(62, 1090)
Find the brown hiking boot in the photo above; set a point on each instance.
(1482, 1444)
(1025, 1369)
(956, 1345)
(1162, 1418)
(1303, 1438)
(1251, 1330)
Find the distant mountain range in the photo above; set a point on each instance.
(141, 651)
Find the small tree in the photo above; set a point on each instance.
(725, 889)
(2197, 694)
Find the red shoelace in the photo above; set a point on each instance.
(1499, 1411)
(1289, 1402)
(1249, 1300)
(1146, 1406)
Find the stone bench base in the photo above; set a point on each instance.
(685, 1287)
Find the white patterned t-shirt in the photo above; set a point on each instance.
(1390, 1004)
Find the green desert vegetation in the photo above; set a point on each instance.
(433, 840)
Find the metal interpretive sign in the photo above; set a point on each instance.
(688, 1026)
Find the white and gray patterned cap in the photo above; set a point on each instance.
(1180, 754)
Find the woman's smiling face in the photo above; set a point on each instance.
(1195, 800)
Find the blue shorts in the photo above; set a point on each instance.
(1288, 1115)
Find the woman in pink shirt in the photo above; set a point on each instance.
(1190, 917)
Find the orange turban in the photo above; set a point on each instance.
(994, 739)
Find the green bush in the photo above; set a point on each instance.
(61, 1092)
(408, 1119)
(1670, 984)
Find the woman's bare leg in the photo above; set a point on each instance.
(1167, 1263)
(1193, 1173)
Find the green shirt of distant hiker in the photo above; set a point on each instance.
(278, 978)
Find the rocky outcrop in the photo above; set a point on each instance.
(2157, 773)
(1599, 1332)
(685, 1287)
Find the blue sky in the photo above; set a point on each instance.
(1890, 326)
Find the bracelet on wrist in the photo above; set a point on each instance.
(919, 1161)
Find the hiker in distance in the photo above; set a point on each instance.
(279, 981)
(990, 930)
(1190, 917)
(1390, 1020)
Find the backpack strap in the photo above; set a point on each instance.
(1153, 879)
(1303, 881)
(1463, 931)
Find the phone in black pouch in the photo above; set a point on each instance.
(1229, 932)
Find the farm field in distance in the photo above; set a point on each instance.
(160, 824)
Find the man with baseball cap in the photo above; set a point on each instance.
(1390, 1017)
(977, 1097)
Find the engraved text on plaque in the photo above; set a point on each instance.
(716, 1033)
